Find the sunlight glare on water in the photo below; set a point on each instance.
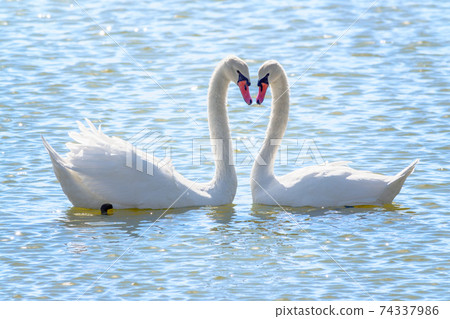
(379, 98)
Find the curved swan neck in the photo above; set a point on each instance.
(279, 115)
(225, 175)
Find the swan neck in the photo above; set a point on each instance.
(279, 115)
(225, 179)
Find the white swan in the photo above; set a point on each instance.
(95, 171)
(328, 185)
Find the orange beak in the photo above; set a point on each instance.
(245, 91)
(262, 92)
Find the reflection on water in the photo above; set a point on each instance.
(132, 220)
(378, 97)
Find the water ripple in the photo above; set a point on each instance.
(379, 98)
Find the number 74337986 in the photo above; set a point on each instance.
(409, 310)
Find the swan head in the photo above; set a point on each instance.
(267, 73)
(105, 207)
(237, 71)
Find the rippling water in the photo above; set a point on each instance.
(379, 97)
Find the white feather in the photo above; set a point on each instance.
(331, 184)
(98, 169)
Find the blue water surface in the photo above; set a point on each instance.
(370, 84)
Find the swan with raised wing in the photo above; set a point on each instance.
(95, 172)
(328, 185)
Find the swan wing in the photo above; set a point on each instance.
(333, 184)
(100, 169)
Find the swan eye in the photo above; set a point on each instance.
(242, 78)
(264, 79)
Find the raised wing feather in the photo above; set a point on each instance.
(100, 169)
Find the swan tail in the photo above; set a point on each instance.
(57, 160)
(395, 185)
(70, 182)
